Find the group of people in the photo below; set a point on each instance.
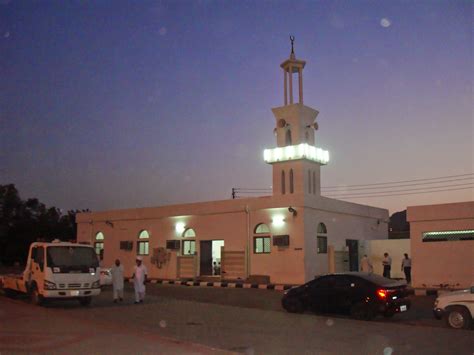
(140, 274)
(366, 266)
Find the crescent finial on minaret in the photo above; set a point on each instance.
(292, 39)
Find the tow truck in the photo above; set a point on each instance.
(57, 270)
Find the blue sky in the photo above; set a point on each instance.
(121, 104)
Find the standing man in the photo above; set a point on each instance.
(117, 281)
(366, 265)
(406, 268)
(387, 265)
(139, 278)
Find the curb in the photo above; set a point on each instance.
(227, 284)
(430, 291)
(425, 292)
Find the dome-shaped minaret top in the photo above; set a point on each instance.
(290, 67)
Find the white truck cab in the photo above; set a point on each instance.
(57, 270)
(457, 308)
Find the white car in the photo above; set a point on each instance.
(105, 277)
(457, 308)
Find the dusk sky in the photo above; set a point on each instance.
(123, 104)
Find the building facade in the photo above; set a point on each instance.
(442, 245)
(288, 237)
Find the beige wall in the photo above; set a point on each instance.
(395, 248)
(450, 262)
(234, 222)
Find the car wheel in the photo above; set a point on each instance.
(293, 305)
(35, 297)
(85, 301)
(362, 311)
(458, 317)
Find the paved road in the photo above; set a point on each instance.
(57, 329)
(420, 313)
(216, 319)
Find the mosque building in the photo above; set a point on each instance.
(286, 238)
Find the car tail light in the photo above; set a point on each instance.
(382, 294)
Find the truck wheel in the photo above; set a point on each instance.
(458, 317)
(36, 298)
(85, 301)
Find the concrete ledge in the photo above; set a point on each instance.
(273, 287)
(430, 291)
(224, 284)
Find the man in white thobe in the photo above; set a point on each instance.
(117, 281)
(387, 265)
(366, 265)
(139, 278)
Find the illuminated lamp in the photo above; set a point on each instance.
(180, 227)
(278, 221)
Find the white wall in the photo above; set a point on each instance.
(340, 226)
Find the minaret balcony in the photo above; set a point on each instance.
(296, 152)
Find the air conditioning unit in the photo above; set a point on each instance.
(173, 244)
(126, 245)
(281, 240)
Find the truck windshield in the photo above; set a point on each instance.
(72, 258)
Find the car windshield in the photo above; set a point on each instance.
(71, 256)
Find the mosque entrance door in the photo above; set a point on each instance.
(353, 245)
(205, 260)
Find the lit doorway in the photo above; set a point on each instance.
(216, 256)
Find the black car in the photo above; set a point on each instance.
(362, 295)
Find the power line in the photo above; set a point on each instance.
(415, 189)
(400, 181)
(403, 185)
(385, 190)
(402, 194)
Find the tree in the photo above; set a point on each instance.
(24, 222)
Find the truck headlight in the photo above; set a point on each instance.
(48, 285)
(96, 284)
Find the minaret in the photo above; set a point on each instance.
(296, 161)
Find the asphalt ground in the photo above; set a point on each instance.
(176, 319)
(421, 312)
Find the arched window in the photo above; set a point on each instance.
(322, 239)
(262, 228)
(189, 233)
(322, 229)
(309, 181)
(99, 245)
(189, 246)
(288, 137)
(143, 243)
(291, 181)
(262, 239)
(283, 182)
(314, 182)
